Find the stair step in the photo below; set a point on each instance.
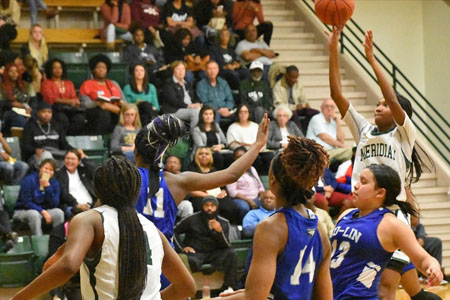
(287, 26)
(278, 15)
(434, 205)
(432, 194)
(297, 47)
(308, 62)
(429, 222)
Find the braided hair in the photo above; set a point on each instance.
(117, 183)
(298, 168)
(153, 140)
(388, 179)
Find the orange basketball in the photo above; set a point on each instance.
(334, 12)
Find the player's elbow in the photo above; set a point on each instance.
(190, 287)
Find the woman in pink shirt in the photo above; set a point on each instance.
(116, 16)
(244, 13)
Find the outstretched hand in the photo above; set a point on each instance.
(334, 36)
(368, 46)
(263, 131)
(435, 275)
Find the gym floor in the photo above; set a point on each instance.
(442, 290)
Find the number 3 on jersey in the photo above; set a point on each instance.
(309, 267)
(159, 212)
(344, 247)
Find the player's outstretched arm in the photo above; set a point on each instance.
(182, 284)
(183, 183)
(394, 234)
(335, 78)
(386, 88)
(323, 288)
(79, 241)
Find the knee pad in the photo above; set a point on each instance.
(424, 295)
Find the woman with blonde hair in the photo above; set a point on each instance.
(122, 139)
(36, 46)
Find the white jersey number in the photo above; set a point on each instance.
(344, 247)
(309, 267)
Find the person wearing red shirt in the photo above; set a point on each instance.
(61, 94)
(116, 21)
(101, 97)
(244, 13)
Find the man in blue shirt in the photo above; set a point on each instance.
(216, 92)
(253, 217)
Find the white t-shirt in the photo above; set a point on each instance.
(393, 148)
(318, 125)
(242, 134)
(106, 269)
(284, 135)
(245, 45)
(77, 188)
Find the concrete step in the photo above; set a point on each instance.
(435, 213)
(304, 62)
(323, 86)
(275, 14)
(292, 38)
(314, 75)
(303, 52)
(287, 26)
(426, 180)
(326, 94)
(433, 194)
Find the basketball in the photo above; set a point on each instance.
(334, 12)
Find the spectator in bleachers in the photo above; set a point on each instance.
(255, 92)
(8, 32)
(6, 232)
(213, 15)
(116, 21)
(215, 92)
(282, 128)
(146, 14)
(209, 134)
(43, 138)
(76, 182)
(39, 198)
(206, 241)
(252, 49)
(289, 91)
(60, 93)
(142, 93)
(225, 56)
(15, 93)
(325, 128)
(243, 133)
(204, 163)
(246, 191)
(177, 15)
(36, 46)
(10, 9)
(122, 138)
(433, 245)
(101, 97)
(50, 12)
(11, 170)
(140, 52)
(331, 193)
(323, 215)
(33, 72)
(178, 96)
(254, 216)
(172, 164)
(245, 12)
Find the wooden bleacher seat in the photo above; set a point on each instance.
(65, 38)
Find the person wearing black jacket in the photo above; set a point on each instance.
(178, 96)
(75, 179)
(206, 241)
(43, 138)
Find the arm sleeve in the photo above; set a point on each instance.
(272, 142)
(250, 220)
(229, 101)
(202, 92)
(222, 237)
(26, 194)
(154, 97)
(47, 92)
(420, 231)
(71, 92)
(27, 143)
(355, 122)
(52, 193)
(65, 197)
(196, 136)
(222, 138)
(125, 21)
(109, 14)
(232, 189)
(260, 14)
(181, 228)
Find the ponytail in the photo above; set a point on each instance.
(117, 183)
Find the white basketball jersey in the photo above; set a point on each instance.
(99, 276)
(393, 148)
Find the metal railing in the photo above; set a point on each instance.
(427, 119)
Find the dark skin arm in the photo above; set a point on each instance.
(182, 284)
(84, 239)
(182, 184)
(386, 88)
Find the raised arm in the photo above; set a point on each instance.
(180, 185)
(182, 284)
(335, 78)
(386, 88)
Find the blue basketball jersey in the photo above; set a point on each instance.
(160, 209)
(297, 266)
(358, 259)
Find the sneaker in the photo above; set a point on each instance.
(228, 290)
